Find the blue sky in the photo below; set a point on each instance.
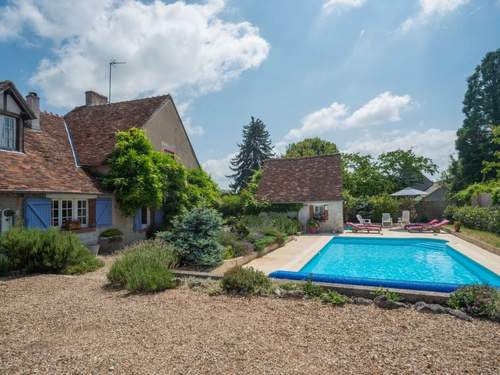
(370, 75)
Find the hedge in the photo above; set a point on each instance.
(482, 218)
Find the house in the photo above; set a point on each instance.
(50, 165)
(315, 182)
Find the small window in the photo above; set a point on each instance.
(7, 133)
(66, 211)
(321, 212)
(82, 212)
(55, 213)
(144, 216)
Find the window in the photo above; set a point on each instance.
(144, 217)
(321, 212)
(55, 213)
(82, 212)
(7, 133)
(65, 210)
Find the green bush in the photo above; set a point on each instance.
(4, 264)
(263, 242)
(372, 207)
(111, 232)
(144, 267)
(245, 281)
(391, 296)
(237, 247)
(313, 290)
(334, 298)
(195, 236)
(482, 218)
(47, 251)
(477, 300)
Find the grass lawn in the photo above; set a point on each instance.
(53, 324)
(488, 237)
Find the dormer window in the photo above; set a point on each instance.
(8, 136)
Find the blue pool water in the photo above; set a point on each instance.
(409, 263)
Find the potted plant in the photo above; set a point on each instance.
(72, 224)
(312, 226)
(110, 240)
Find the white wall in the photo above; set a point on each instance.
(335, 220)
(12, 105)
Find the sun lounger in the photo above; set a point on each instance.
(432, 222)
(365, 227)
(436, 227)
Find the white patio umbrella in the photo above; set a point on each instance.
(409, 192)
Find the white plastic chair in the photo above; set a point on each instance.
(405, 217)
(363, 221)
(386, 220)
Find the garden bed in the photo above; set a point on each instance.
(484, 240)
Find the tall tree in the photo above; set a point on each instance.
(403, 168)
(311, 147)
(254, 149)
(362, 176)
(481, 109)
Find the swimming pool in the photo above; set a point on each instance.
(406, 263)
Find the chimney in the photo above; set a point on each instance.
(93, 98)
(33, 102)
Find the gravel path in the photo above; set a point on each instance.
(60, 324)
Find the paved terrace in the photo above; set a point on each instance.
(295, 254)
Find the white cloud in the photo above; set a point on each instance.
(436, 144)
(218, 169)
(385, 107)
(331, 5)
(180, 48)
(430, 10)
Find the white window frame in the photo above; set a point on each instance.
(75, 213)
(319, 210)
(8, 137)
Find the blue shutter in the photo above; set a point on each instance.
(137, 220)
(37, 213)
(103, 212)
(159, 217)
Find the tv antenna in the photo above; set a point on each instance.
(111, 64)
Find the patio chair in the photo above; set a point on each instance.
(405, 218)
(386, 219)
(436, 227)
(363, 221)
(364, 227)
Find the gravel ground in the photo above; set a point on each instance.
(73, 324)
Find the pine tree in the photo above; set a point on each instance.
(482, 110)
(254, 149)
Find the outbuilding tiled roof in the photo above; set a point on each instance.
(93, 128)
(47, 164)
(299, 180)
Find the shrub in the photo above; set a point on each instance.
(390, 296)
(111, 232)
(263, 242)
(313, 290)
(194, 235)
(144, 267)
(477, 300)
(482, 218)
(49, 251)
(245, 281)
(4, 264)
(334, 298)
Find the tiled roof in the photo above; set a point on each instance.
(93, 128)
(298, 180)
(47, 164)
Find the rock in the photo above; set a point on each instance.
(195, 283)
(177, 281)
(361, 301)
(459, 315)
(384, 303)
(432, 308)
(278, 292)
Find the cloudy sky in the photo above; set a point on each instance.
(370, 75)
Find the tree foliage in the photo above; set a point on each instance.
(311, 147)
(254, 149)
(138, 173)
(481, 107)
(403, 168)
(362, 176)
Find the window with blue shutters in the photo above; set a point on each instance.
(103, 212)
(37, 213)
